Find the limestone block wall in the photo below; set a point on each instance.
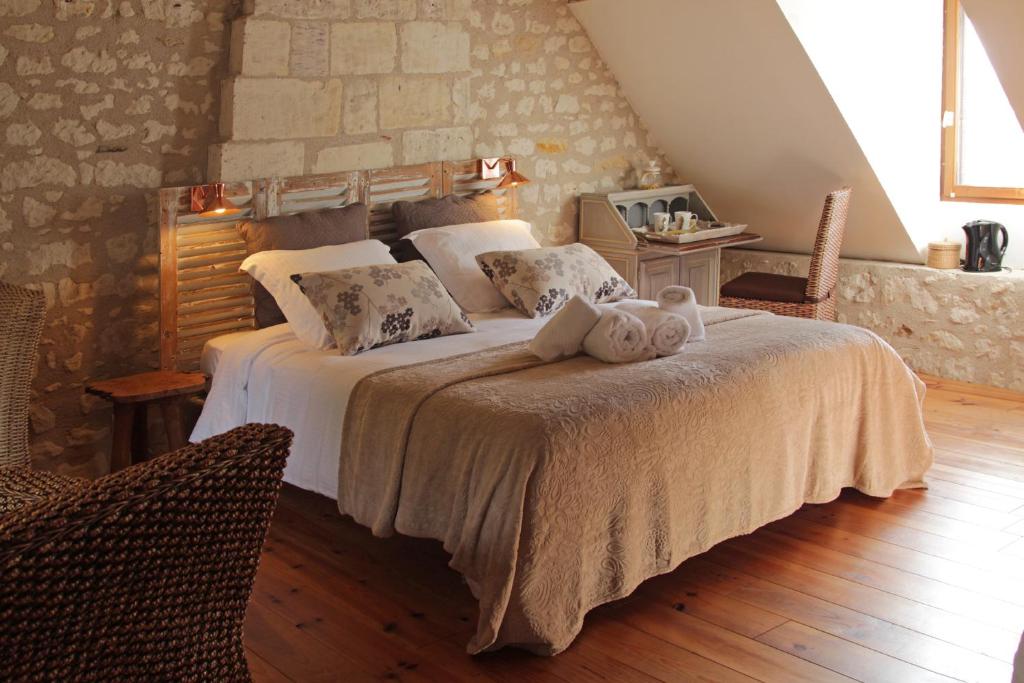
(104, 101)
(101, 103)
(964, 326)
(334, 85)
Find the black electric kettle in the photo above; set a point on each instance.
(985, 250)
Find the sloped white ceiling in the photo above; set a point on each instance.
(890, 101)
(731, 97)
(1000, 25)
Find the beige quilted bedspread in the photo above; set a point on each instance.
(559, 487)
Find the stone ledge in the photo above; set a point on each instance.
(948, 323)
(1011, 275)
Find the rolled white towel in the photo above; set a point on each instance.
(666, 332)
(618, 337)
(563, 335)
(682, 301)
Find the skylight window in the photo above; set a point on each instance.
(983, 143)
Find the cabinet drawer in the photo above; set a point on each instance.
(656, 274)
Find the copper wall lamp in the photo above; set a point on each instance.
(504, 168)
(209, 201)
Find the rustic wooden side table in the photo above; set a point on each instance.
(132, 397)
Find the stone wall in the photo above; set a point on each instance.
(335, 85)
(104, 101)
(964, 326)
(101, 103)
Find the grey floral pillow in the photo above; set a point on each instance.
(374, 306)
(538, 282)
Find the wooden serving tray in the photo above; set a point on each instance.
(742, 239)
(727, 230)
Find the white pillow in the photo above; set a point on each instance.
(452, 250)
(274, 270)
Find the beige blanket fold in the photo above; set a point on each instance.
(557, 487)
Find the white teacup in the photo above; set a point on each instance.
(686, 220)
(661, 221)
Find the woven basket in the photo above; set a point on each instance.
(944, 255)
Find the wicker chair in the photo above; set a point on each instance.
(811, 297)
(144, 574)
(21, 323)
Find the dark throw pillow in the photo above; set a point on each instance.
(450, 210)
(307, 230)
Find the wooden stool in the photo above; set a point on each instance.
(132, 396)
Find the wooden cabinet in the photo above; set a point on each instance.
(650, 271)
(605, 222)
(655, 275)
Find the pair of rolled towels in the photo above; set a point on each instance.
(627, 333)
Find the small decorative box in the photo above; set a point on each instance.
(944, 255)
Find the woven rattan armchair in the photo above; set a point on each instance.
(22, 312)
(144, 574)
(813, 296)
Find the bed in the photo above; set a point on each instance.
(270, 376)
(557, 487)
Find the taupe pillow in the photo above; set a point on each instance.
(372, 306)
(538, 282)
(450, 210)
(307, 230)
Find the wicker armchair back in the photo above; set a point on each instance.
(21, 323)
(824, 272)
(144, 574)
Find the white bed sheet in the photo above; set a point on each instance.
(270, 376)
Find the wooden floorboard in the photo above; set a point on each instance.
(919, 618)
(861, 662)
(927, 585)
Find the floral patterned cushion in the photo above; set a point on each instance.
(374, 306)
(538, 282)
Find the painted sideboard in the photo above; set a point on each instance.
(606, 225)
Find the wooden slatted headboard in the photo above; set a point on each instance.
(202, 292)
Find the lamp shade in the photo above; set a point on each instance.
(215, 203)
(513, 179)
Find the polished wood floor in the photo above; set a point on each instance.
(924, 586)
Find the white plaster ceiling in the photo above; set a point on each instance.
(733, 100)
